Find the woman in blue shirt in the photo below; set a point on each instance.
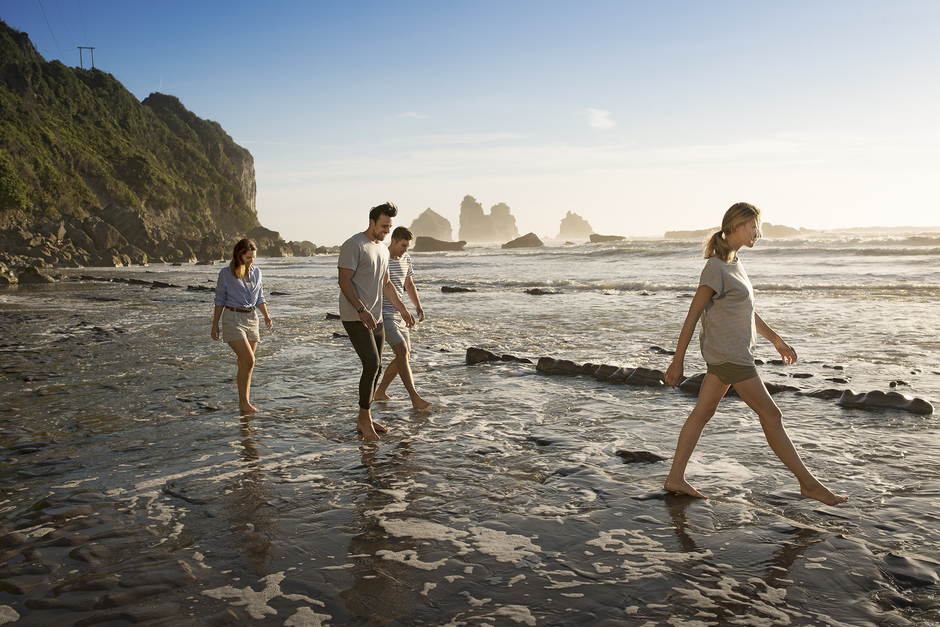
(238, 299)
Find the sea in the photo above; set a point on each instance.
(133, 492)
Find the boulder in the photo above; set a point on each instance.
(265, 239)
(447, 289)
(574, 226)
(480, 355)
(136, 255)
(885, 400)
(34, 276)
(78, 238)
(539, 291)
(433, 225)
(303, 249)
(598, 239)
(213, 247)
(55, 230)
(103, 234)
(424, 244)
(635, 457)
(130, 224)
(646, 376)
(557, 366)
(529, 240)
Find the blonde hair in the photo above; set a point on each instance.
(738, 214)
(241, 247)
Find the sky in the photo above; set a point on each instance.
(640, 117)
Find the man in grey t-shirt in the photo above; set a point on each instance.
(363, 279)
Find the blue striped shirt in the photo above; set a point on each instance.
(232, 292)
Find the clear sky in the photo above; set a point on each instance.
(641, 117)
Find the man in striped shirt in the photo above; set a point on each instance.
(401, 273)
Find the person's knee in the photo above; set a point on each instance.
(772, 417)
(401, 351)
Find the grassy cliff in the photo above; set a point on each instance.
(74, 141)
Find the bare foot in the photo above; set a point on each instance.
(683, 487)
(247, 408)
(372, 431)
(822, 494)
(419, 403)
(381, 396)
(379, 427)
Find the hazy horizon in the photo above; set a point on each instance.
(640, 118)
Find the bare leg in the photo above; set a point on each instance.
(710, 394)
(404, 369)
(391, 371)
(245, 351)
(754, 393)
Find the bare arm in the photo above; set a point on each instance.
(349, 291)
(268, 322)
(214, 333)
(787, 352)
(413, 295)
(699, 301)
(392, 295)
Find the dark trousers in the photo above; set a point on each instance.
(368, 345)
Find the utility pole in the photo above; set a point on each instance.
(80, 48)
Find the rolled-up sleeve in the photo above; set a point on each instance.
(221, 290)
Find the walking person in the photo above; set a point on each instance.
(401, 274)
(238, 299)
(725, 303)
(363, 280)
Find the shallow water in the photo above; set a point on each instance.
(505, 504)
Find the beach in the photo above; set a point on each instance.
(134, 492)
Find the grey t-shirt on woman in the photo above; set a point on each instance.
(729, 333)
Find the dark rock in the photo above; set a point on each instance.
(332, 316)
(557, 366)
(826, 394)
(529, 240)
(837, 379)
(480, 355)
(598, 239)
(34, 276)
(803, 375)
(604, 371)
(522, 360)
(276, 293)
(662, 351)
(303, 249)
(455, 290)
(647, 377)
(103, 234)
(425, 244)
(432, 225)
(776, 388)
(634, 457)
(910, 572)
(130, 224)
(895, 384)
(885, 400)
(136, 255)
(574, 226)
(539, 291)
(589, 369)
(337, 335)
(693, 383)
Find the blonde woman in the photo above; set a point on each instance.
(238, 299)
(725, 303)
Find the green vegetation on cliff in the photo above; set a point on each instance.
(74, 141)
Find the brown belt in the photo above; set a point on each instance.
(239, 310)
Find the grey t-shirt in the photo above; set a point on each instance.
(729, 333)
(369, 261)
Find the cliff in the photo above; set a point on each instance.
(478, 226)
(81, 157)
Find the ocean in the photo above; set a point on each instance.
(134, 492)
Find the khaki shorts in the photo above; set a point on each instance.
(729, 374)
(240, 326)
(396, 331)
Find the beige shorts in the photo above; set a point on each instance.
(729, 374)
(240, 326)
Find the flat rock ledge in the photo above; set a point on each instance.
(629, 375)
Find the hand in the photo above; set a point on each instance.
(787, 352)
(366, 318)
(674, 374)
(269, 322)
(214, 333)
(409, 319)
(420, 313)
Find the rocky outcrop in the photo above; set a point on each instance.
(768, 230)
(447, 289)
(599, 239)
(478, 226)
(529, 240)
(424, 244)
(433, 225)
(481, 355)
(885, 400)
(574, 226)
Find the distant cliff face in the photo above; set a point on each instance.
(432, 224)
(477, 226)
(76, 141)
(574, 226)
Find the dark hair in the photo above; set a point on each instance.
(401, 232)
(242, 246)
(739, 213)
(388, 209)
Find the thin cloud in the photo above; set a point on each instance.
(600, 119)
(412, 114)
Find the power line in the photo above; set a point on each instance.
(82, 18)
(42, 11)
(63, 23)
